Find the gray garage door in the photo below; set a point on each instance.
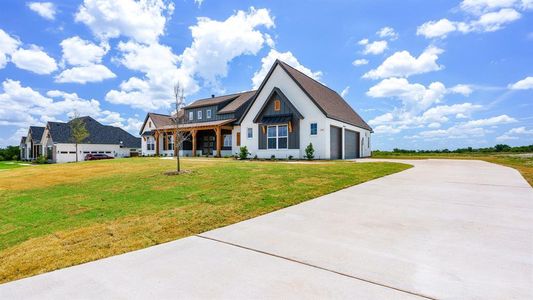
(351, 144)
(336, 142)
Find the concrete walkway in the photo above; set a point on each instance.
(444, 229)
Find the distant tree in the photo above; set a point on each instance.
(78, 132)
(502, 148)
(10, 153)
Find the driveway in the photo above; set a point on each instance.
(444, 229)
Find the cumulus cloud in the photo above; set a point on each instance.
(360, 62)
(34, 59)
(46, 10)
(84, 74)
(80, 52)
(482, 16)
(143, 21)
(524, 84)
(8, 45)
(462, 89)
(287, 57)
(403, 64)
(376, 47)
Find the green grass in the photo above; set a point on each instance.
(523, 162)
(53, 216)
(5, 165)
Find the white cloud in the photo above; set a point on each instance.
(502, 119)
(414, 96)
(520, 130)
(512, 134)
(376, 47)
(215, 44)
(462, 89)
(46, 10)
(524, 84)
(387, 32)
(482, 16)
(8, 45)
(80, 52)
(403, 64)
(142, 20)
(84, 74)
(287, 57)
(34, 59)
(360, 62)
(199, 2)
(345, 92)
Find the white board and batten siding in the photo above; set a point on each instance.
(311, 113)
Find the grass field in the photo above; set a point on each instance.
(53, 216)
(5, 165)
(523, 162)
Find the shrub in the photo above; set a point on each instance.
(273, 157)
(41, 160)
(1, 158)
(309, 152)
(255, 156)
(290, 157)
(15, 157)
(243, 154)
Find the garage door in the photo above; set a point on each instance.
(335, 142)
(351, 144)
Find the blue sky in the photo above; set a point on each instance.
(446, 75)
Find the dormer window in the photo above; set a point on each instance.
(277, 105)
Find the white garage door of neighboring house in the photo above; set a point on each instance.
(351, 144)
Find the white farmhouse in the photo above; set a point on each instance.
(288, 112)
(54, 141)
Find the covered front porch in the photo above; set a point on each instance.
(206, 138)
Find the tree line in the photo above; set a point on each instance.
(496, 148)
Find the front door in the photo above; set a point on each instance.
(208, 144)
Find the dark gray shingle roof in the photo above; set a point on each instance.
(36, 133)
(98, 134)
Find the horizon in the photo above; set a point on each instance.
(452, 75)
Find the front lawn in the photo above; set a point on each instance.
(5, 165)
(53, 216)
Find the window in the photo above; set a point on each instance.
(314, 129)
(238, 139)
(150, 144)
(250, 133)
(208, 114)
(199, 115)
(277, 137)
(227, 140)
(170, 142)
(149, 124)
(368, 142)
(277, 105)
(191, 116)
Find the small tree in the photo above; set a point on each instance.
(179, 136)
(309, 152)
(243, 154)
(78, 132)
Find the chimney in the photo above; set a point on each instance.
(212, 95)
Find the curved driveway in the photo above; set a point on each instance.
(444, 229)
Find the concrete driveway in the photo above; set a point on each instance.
(444, 229)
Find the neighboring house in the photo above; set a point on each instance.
(31, 143)
(23, 149)
(288, 112)
(56, 142)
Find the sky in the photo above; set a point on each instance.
(425, 76)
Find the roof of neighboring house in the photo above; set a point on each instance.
(23, 140)
(212, 101)
(36, 133)
(160, 119)
(329, 101)
(98, 134)
(236, 103)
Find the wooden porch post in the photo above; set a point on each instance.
(218, 131)
(157, 143)
(175, 136)
(193, 133)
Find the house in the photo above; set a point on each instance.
(281, 118)
(55, 141)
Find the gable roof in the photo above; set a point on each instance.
(236, 103)
(23, 140)
(36, 133)
(159, 120)
(98, 134)
(326, 99)
(284, 98)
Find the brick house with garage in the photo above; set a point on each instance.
(282, 117)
